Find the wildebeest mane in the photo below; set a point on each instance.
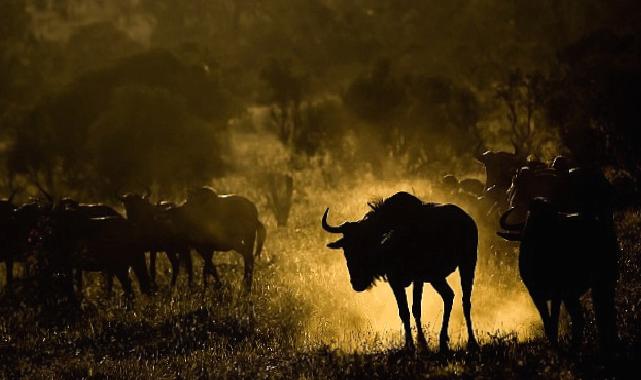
(398, 209)
(386, 217)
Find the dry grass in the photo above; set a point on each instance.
(303, 320)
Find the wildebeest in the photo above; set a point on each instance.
(499, 168)
(106, 244)
(159, 227)
(19, 226)
(584, 190)
(88, 211)
(405, 241)
(215, 222)
(561, 257)
(6, 239)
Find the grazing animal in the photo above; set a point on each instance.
(109, 245)
(582, 190)
(471, 186)
(499, 168)
(159, 231)
(561, 257)
(19, 227)
(405, 241)
(213, 222)
(6, 239)
(89, 211)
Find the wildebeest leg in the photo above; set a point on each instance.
(542, 306)
(125, 282)
(186, 255)
(603, 300)
(109, 283)
(175, 266)
(249, 269)
(555, 308)
(9, 265)
(140, 270)
(573, 305)
(208, 267)
(417, 297)
(79, 281)
(152, 265)
(446, 292)
(467, 281)
(248, 255)
(404, 313)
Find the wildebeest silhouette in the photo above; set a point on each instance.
(159, 229)
(499, 168)
(7, 245)
(561, 257)
(18, 226)
(405, 241)
(583, 190)
(213, 222)
(109, 245)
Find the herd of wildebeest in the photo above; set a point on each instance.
(64, 238)
(561, 214)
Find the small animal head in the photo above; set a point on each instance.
(136, 205)
(357, 245)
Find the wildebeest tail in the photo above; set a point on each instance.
(261, 234)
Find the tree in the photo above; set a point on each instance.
(148, 135)
(594, 101)
(286, 94)
(179, 104)
(522, 95)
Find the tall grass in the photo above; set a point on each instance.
(302, 319)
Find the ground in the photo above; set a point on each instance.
(302, 319)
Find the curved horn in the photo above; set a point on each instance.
(327, 227)
(507, 226)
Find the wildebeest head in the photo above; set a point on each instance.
(499, 167)
(358, 248)
(137, 206)
(540, 213)
(362, 240)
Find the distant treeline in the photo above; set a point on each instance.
(100, 97)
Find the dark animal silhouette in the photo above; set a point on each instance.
(109, 245)
(222, 223)
(584, 190)
(19, 230)
(159, 229)
(561, 257)
(89, 211)
(405, 241)
(6, 239)
(472, 186)
(499, 168)
(468, 191)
